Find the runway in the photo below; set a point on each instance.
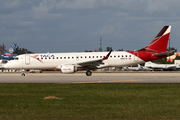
(147, 77)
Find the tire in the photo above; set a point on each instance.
(88, 73)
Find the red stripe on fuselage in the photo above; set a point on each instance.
(35, 57)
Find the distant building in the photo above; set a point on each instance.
(172, 57)
(177, 62)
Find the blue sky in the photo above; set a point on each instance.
(76, 25)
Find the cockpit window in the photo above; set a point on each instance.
(16, 58)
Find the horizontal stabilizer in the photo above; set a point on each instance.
(167, 53)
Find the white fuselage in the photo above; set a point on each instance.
(55, 60)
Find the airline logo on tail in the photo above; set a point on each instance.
(159, 44)
(157, 48)
(9, 54)
(11, 50)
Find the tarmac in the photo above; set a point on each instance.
(108, 77)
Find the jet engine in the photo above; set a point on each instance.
(68, 69)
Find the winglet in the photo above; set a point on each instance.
(107, 56)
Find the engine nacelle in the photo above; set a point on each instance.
(68, 69)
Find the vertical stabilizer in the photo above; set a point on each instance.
(160, 42)
(11, 49)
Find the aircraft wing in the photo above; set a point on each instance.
(93, 64)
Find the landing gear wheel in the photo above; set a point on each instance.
(88, 73)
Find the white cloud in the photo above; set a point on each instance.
(25, 23)
(161, 5)
(77, 4)
(44, 10)
(12, 4)
(91, 4)
(46, 5)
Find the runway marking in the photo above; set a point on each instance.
(109, 81)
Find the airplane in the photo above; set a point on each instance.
(89, 61)
(127, 68)
(139, 68)
(8, 55)
(161, 67)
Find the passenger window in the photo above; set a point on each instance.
(56, 57)
(122, 56)
(129, 55)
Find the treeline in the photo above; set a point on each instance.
(164, 60)
(2, 49)
(19, 51)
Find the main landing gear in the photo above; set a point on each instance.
(88, 73)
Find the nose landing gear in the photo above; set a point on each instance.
(23, 74)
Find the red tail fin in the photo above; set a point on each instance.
(159, 44)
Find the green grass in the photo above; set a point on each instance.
(90, 101)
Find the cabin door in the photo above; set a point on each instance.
(27, 59)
